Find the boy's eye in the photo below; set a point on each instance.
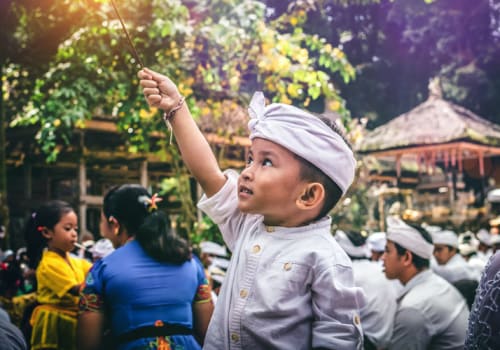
(249, 160)
(267, 162)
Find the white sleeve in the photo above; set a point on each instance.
(222, 208)
(336, 303)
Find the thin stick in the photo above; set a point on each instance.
(81, 246)
(134, 51)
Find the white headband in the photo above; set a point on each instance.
(376, 241)
(304, 135)
(408, 237)
(351, 250)
(445, 237)
(484, 236)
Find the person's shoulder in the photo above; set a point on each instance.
(411, 314)
(49, 260)
(11, 337)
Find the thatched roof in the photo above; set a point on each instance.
(435, 121)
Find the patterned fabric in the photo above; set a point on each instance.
(484, 322)
(134, 291)
(203, 294)
(54, 321)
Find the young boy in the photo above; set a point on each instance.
(289, 285)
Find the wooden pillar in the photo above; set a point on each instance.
(28, 183)
(381, 212)
(144, 178)
(82, 206)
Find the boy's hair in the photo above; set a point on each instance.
(419, 262)
(310, 172)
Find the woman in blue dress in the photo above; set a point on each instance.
(148, 294)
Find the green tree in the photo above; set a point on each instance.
(30, 32)
(218, 52)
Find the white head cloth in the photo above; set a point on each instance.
(351, 250)
(445, 237)
(376, 241)
(495, 240)
(484, 236)
(304, 135)
(102, 248)
(213, 248)
(467, 243)
(408, 237)
(431, 228)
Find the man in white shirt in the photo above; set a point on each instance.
(377, 315)
(376, 242)
(431, 314)
(450, 265)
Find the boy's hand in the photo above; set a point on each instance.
(159, 90)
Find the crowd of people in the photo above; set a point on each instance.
(289, 283)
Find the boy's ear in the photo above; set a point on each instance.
(311, 197)
(407, 258)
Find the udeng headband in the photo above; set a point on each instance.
(304, 135)
(408, 237)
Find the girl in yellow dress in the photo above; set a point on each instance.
(51, 234)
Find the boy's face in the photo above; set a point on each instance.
(392, 261)
(270, 184)
(443, 253)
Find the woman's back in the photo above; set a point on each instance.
(138, 290)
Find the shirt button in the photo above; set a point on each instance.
(235, 337)
(270, 229)
(243, 293)
(287, 266)
(256, 249)
(357, 321)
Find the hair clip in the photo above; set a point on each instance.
(155, 199)
(150, 203)
(39, 228)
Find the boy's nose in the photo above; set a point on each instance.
(247, 173)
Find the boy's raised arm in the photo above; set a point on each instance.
(162, 93)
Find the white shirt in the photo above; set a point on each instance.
(377, 316)
(431, 315)
(285, 288)
(456, 269)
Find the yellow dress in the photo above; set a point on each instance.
(54, 320)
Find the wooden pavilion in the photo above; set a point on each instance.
(438, 135)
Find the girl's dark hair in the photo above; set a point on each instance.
(48, 215)
(419, 262)
(152, 229)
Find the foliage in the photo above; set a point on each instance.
(64, 61)
(215, 51)
(396, 47)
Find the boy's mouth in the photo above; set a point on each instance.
(246, 190)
